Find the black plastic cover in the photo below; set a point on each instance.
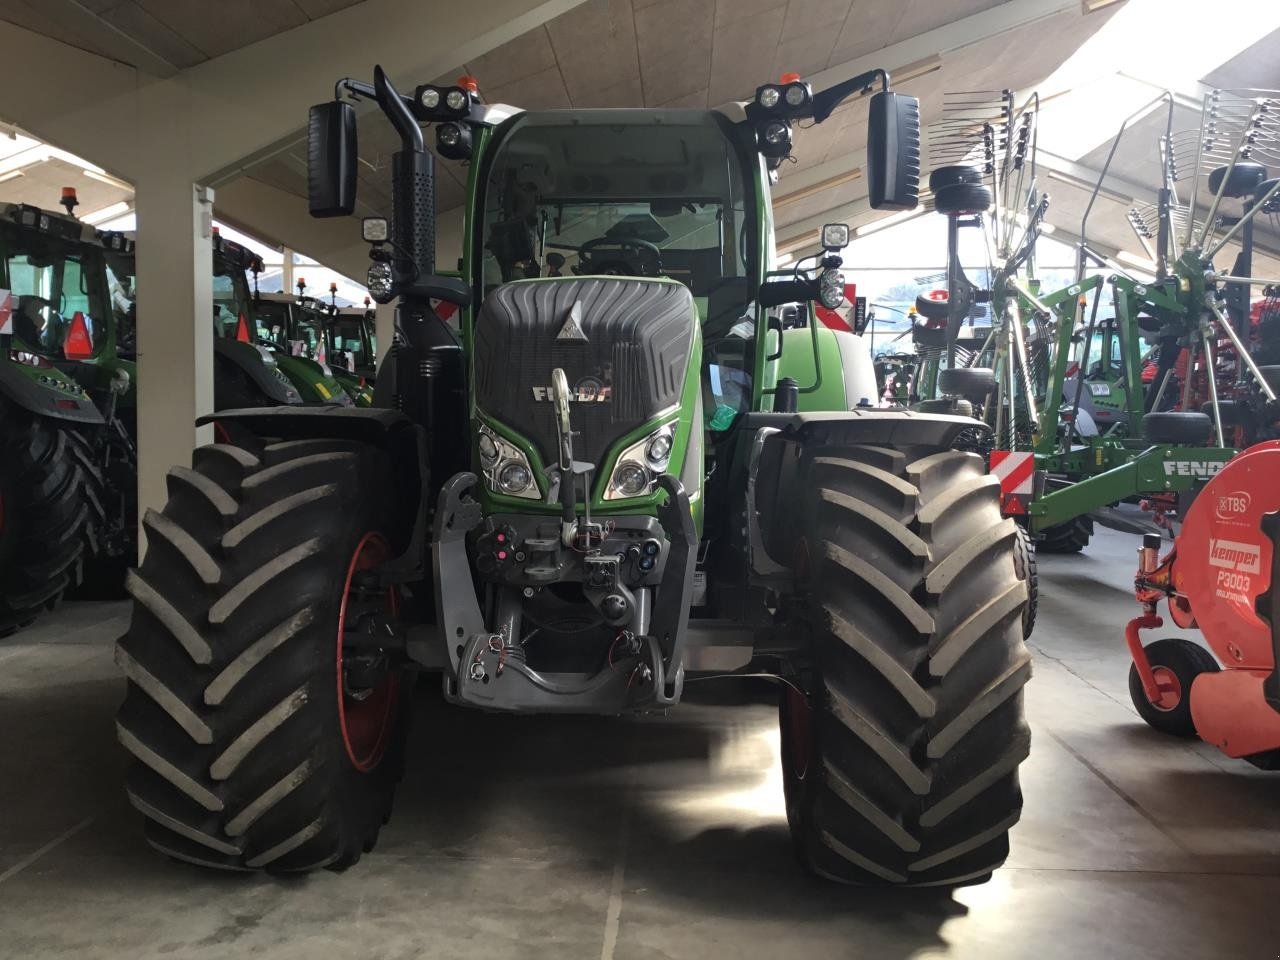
(893, 151)
(331, 159)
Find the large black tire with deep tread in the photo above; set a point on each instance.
(45, 521)
(1024, 562)
(914, 671)
(231, 711)
(1070, 537)
(101, 574)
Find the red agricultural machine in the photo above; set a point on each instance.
(1219, 577)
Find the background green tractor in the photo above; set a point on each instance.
(551, 514)
(353, 350)
(53, 314)
(293, 328)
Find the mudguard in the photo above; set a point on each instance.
(259, 369)
(778, 471)
(46, 392)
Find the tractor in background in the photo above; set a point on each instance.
(68, 374)
(292, 328)
(597, 487)
(54, 314)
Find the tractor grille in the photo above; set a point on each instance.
(635, 357)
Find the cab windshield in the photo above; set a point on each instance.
(346, 342)
(50, 281)
(620, 193)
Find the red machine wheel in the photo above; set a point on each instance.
(367, 721)
(1175, 663)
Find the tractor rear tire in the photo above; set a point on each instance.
(44, 521)
(900, 758)
(1070, 537)
(1024, 561)
(1176, 663)
(101, 572)
(248, 750)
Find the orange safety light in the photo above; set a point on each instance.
(469, 83)
(242, 330)
(789, 78)
(77, 345)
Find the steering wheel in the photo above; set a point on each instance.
(648, 258)
(30, 326)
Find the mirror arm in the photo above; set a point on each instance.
(397, 111)
(827, 100)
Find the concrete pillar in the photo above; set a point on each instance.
(286, 274)
(175, 327)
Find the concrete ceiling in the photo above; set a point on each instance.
(626, 53)
(162, 37)
(691, 53)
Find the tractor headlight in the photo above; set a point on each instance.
(514, 478)
(505, 467)
(379, 281)
(640, 464)
(658, 451)
(453, 141)
(430, 98)
(776, 134)
(629, 479)
(768, 97)
(456, 100)
(797, 94)
(831, 288)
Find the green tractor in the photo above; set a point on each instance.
(293, 329)
(68, 492)
(548, 516)
(352, 350)
(54, 310)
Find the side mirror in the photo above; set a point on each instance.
(893, 151)
(331, 159)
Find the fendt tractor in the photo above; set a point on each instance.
(554, 514)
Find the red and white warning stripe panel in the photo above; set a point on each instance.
(1016, 471)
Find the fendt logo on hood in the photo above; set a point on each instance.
(586, 390)
(1231, 505)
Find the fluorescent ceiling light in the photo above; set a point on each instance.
(1093, 6)
(107, 179)
(1082, 184)
(11, 175)
(106, 213)
(900, 217)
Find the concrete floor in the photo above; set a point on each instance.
(567, 839)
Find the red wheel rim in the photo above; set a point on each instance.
(937, 296)
(366, 724)
(1170, 688)
(797, 727)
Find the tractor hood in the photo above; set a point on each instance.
(624, 344)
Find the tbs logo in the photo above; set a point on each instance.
(1231, 505)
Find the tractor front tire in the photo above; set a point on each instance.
(44, 520)
(1176, 663)
(249, 749)
(903, 737)
(1070, 537)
